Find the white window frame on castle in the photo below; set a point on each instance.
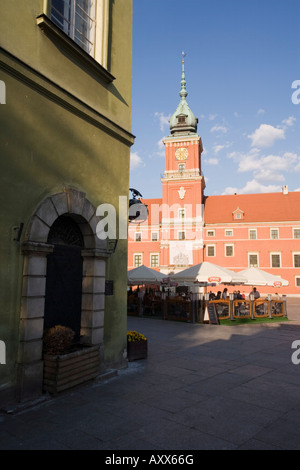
(229, 250)
(154, 260)
(210, 251)
(252, 234)
(274, 233)
(250, 263)
(137, 259)
(275, 259)
(86, 22)
(296, 232)
(296, 259)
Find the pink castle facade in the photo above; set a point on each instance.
(185, 227)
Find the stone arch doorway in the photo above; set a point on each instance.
(63, 296)
(41, 238)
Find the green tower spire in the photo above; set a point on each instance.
(183, 120)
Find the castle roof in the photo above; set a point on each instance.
(262, 207)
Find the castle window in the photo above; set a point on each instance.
(137, 260)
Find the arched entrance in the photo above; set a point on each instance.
(64, 276)
(62, 228)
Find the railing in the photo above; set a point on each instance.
(178, 309)
(259, 308)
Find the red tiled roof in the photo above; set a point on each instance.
(263, 207)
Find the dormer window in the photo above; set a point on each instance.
(238, 214)
(181, 119)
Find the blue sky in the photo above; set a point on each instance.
(242, 57)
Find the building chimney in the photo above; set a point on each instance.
(285, 189)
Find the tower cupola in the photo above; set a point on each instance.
(183, 121)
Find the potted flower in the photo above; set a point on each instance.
(137, 346)
(65, 364)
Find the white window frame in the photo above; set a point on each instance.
(211, 246)
(276, 253)
(274, 230)
(208, 231)
(99, 13)
(295, 253)
(138, 235)
(228, 232)
(294, 230)
(152, 233)
(154, 265)
(297, 277)
(225, 249)
(251, 253)
(252, 230)
(137, 254)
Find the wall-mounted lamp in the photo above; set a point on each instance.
(138, 212)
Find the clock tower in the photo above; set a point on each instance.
(183, 186)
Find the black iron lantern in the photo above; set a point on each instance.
(138, 212)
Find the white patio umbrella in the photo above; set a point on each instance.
(256, 276)
(144, 275)
(208, 273)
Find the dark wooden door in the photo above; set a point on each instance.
(64, 288)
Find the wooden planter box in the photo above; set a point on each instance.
(137, 350)
(64, 371)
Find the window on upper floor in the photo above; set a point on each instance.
(229, 250)
(210, 233)
(138, 236)
(210, 250)
(154, 259)
(253, 260)
(296, 232)
(275, 260)
(274, 233)
(154, 236)
(181, 235)
(181, 213)
(137, 260)
(296, 260)
(297, 281)
(252, 234)
(77, 18)
(228, 233)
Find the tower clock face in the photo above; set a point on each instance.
(181, 153)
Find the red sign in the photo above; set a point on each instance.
(277, 284)
(214, 279)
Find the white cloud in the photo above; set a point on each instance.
(222, 129)
(135, 161)
(212, 161)
(266, 168)
(253, 187)
(163, 120)
(261, 111)
(211, 117)
(288, 122)
(266, 135)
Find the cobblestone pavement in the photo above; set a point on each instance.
(201, 387)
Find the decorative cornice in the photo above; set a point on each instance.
(41, 84)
